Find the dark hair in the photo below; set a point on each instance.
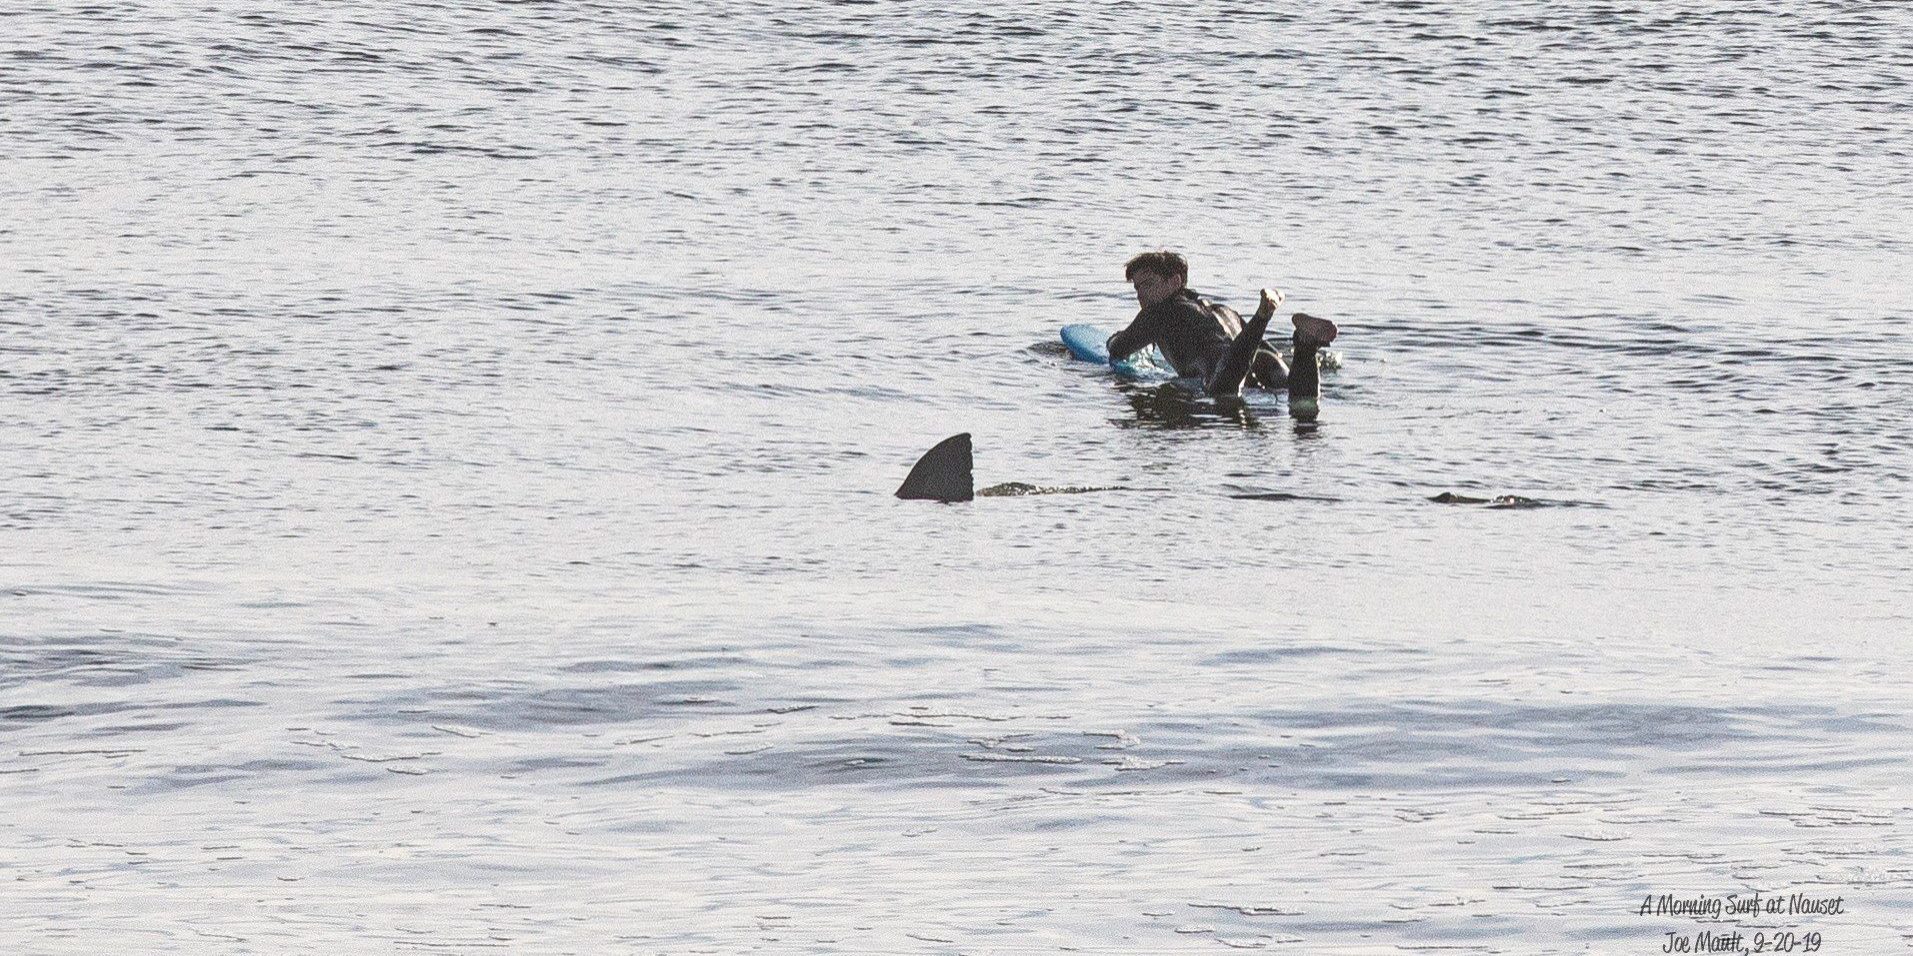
(1165, 263)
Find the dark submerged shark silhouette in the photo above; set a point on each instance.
(944, 474)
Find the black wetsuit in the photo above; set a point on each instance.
(1182, 326)
(1197, 338)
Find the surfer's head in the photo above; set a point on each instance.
(1156, 276)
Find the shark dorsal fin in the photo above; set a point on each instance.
(943, 473)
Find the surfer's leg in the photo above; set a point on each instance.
(1305, 373)
(1267, 369)
(1235, 365)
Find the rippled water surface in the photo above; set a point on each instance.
(449, 455)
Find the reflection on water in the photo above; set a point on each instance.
(1178, 405)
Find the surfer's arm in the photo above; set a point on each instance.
(1140, 335)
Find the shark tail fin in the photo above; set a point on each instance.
(943, 473)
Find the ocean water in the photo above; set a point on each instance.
(449, 455)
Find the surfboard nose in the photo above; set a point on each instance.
(943, 473)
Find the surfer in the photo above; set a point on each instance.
(1210, 342)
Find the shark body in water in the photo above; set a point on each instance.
(945, 473)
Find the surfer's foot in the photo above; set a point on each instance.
(1305, 373)
(1311, 332)
(1270, 299)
